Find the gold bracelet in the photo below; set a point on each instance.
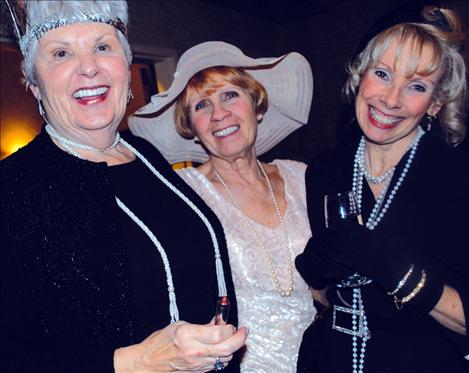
(399, 302)
(403, 281)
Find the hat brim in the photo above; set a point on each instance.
(287, 79)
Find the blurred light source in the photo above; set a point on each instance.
(15, 135)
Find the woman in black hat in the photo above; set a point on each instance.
(397, 286)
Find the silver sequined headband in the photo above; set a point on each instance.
(36, 32)
(52, 23)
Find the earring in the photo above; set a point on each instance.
(259, 117)
(26, 85)
(196, 140)
(430, 119)
(130, 95)
(40, 107)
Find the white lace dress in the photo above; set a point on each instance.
(276, 324)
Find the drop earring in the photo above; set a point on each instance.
(130, 95)
(40, 107)
(430, 119)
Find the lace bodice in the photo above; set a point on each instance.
(276, 324)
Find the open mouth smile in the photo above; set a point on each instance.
(381, 120)
(226, 131)
(90, 96)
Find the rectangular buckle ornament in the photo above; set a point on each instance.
(360, 332)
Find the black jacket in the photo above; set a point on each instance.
(66, 297)
(427, 223)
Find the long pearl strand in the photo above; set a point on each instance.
(283, 292)
(360, 326)
(173, 308)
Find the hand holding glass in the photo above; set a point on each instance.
(341, 206)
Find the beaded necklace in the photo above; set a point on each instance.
(268, 257)
(359, 321)
(173, 308)
(375, 179)
(357, 185)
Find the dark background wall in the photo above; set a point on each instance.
(325, 32)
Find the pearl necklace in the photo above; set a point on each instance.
(358, 309)
(268, 257)
(67, 144)
(173, 308)
(375, 179)
(377, 213)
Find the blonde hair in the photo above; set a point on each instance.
(451, 88)
(210, 79)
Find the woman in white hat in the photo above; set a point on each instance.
(229, 108)
(92, 279)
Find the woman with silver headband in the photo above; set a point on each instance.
(398, 285)
(108, 261)
(223, 110)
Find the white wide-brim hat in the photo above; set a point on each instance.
(287, 79)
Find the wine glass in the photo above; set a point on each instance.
(341, 206)
(344, 206)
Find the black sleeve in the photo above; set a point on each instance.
(330, 172)
(24, 342)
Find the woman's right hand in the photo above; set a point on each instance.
(181, 347)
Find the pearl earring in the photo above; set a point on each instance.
(259, 117)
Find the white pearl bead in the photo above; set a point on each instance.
(283, 292)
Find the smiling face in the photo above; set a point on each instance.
(224, 119)
(83, 78)
(391, 101)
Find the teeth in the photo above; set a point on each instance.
(226, 131)
(381, 119)
(90, 92)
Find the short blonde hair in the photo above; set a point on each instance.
(450, 90)
(210, 79)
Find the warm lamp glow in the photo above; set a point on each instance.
(179, 165)
(15, 135)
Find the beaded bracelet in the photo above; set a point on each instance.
(403, 281)
(399, 302)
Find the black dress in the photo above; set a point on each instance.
(78, 278)
(428, 219)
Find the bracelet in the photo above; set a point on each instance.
(399, 302)
(403, 281)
